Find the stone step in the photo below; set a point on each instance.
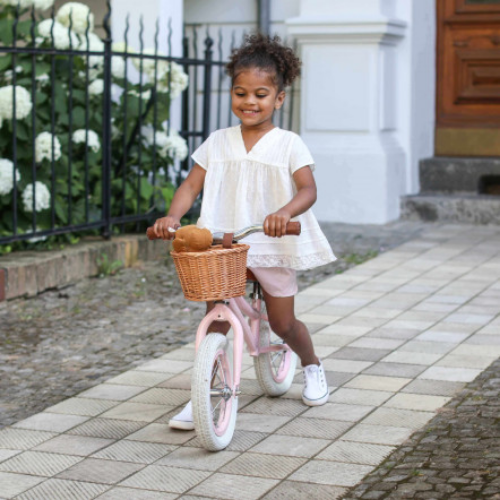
(460, 175)
(460, 208)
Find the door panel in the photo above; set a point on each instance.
(468, 84)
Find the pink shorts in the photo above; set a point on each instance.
(277, 281)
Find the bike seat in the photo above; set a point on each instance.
(251, 276)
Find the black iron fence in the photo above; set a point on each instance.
(95, 135)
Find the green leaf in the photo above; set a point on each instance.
(5, 61)
(146, 189)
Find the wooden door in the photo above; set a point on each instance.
(468, 78)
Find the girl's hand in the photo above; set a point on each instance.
(163, 225)
(275, 224)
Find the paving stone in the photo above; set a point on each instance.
(417, 402)
(232, 487)
(359, 354)
(74, 445)
(377, 434)
(377, 343)
(161, 396)
(14, 484)
(169, 479)
(57, 489)
(161, 433)
(398, 418)
(292, 446)
(197, 458)
(38, 463)
(346, 366)
(355, 453)
(414, 358)
(314, 428)
(242, 440)
(334, 473)
(462, 361)
(378, 383)
(293, 490)
(428, 347)
(50, 422)
(139, 412)
(401, 370)
(275, 406)
(22, 439)
(331, 340)
(119, 493)
(108, 429)
(139, 378)
(255, 464)
(165, 366)
(433, 387)
(181, 381)
(5, 454)
(113, 392)
(359, 397)
(339, 411)
(100, 471)
(82, 406)
(260, 422)
(449, 374)
(133, 451)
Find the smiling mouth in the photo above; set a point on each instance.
(245, 112)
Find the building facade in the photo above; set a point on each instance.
(385, 84)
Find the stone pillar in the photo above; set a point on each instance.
(348, 106)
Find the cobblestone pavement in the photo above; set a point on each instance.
(64, 341)
(455, 456)
(399, 335)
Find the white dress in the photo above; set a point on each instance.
(242, 188)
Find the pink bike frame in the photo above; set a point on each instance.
(232, 311)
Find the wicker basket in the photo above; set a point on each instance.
(216, 274)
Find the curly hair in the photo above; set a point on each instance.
(263, 52)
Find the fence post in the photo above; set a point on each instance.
(106, 129)
(207, 86)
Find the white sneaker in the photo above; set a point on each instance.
(315, 391)
(183, 420)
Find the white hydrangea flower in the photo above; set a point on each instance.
(178, 80)
(42, 197)
(43, 147)
(6, 176)
(176, 147)
(146, 94)
(173, 145)
(62, 36)
(80, 14)
(43, 79)
(35, 239)
(120, 47)
(23, 102)
(23, 4)
(9, 73)
(96, 87)
(93, 139)
(118, 67)
(42, 4)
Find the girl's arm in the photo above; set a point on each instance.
(275, 223)
(182, 201)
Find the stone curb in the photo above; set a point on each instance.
(30, 273)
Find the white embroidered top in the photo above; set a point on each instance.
(242, 188)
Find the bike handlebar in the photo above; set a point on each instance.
(292, 228)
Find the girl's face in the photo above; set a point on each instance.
(255, 97)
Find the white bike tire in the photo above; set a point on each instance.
(265, 370)
(208, 352)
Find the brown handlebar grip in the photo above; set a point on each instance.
(293, 228)
(150, 233)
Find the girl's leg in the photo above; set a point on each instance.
(281, 314)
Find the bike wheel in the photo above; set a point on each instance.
(212, 393)
(275, 370)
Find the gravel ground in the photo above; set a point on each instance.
(455, 456)
(64, 341)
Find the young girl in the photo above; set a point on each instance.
(253, 173)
